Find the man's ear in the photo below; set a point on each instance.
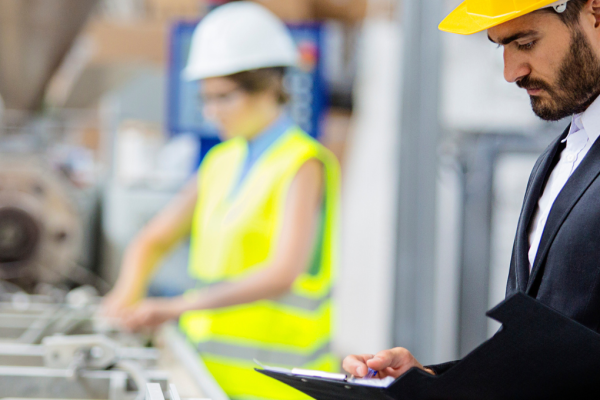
(593, 7)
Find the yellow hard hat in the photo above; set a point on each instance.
(474, 16)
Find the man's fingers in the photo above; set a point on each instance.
(356, 364)
(387, 372)
(394, 362)
(386, 358)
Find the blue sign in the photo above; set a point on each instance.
(305, 84)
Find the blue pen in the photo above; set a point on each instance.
(371, 374)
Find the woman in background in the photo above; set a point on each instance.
(262, 215)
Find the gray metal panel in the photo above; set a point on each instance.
(474, 279)
(478, 157)
(420, 131)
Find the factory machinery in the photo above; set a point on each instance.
(67, 350)
(54, 342)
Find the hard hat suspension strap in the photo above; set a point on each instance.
(559, 6)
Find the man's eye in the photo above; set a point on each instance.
(526, 46)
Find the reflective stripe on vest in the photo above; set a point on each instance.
(290, 299)
(233, 236)
(261, 324)
(267, 356)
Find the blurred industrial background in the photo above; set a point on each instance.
(98, 131)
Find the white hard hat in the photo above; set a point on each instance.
(236, 37)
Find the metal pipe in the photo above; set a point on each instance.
(137, 375)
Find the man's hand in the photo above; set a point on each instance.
(394, 362)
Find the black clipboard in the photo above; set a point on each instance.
(538, 354)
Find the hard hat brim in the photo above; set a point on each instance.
(464, 23)
(194, 74)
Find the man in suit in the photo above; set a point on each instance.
(552, 50)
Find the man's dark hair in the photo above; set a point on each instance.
(570, 16)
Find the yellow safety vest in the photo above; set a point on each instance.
(233, 236)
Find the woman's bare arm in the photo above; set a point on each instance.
(292, 256)
(149, 247)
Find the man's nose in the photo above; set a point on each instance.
(515, 67)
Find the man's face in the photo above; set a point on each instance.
(554, 62)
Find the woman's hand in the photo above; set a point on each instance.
(151, 313)
(148, 248)
(394, 362)
(116, 303)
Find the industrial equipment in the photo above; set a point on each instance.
(40, 226)
(154, 392)
(53, 342)
(43, 228)
(67, 351)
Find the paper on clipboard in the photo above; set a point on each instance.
(382, 383)
(373, 382)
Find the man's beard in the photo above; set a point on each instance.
(577, 86)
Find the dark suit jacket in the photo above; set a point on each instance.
(566, 272)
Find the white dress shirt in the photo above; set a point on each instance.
(584, 131)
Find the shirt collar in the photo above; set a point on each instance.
(589, 121)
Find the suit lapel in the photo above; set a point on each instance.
(575, 187)
(532, 197)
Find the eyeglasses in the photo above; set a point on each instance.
(224, 98)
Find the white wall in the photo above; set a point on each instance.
(364, 289)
